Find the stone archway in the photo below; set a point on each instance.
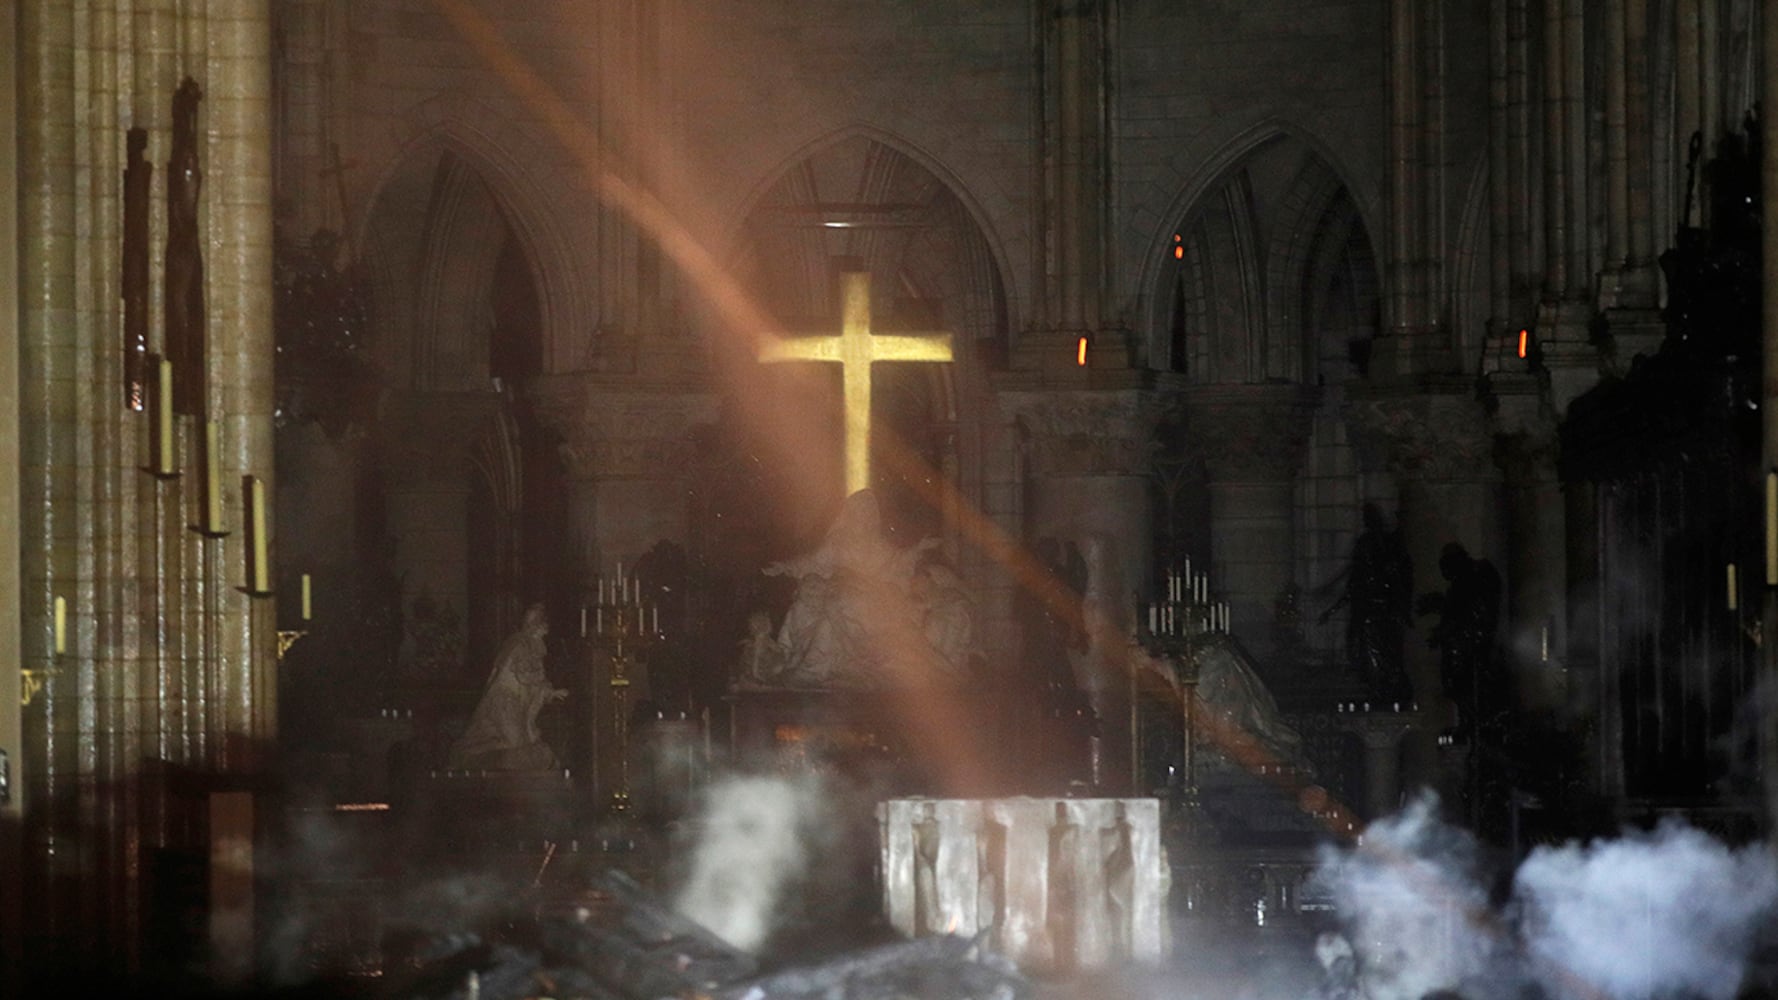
(1265, 305)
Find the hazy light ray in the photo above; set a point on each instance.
(775, 426)
(940, 720)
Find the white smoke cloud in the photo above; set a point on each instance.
(750, 848)
(1408, 895)
(1673, 911)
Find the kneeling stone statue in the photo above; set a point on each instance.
(502, 734)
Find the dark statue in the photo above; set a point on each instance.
(1378, 596)
(137, 176)
(184, 307)
(1469, 616)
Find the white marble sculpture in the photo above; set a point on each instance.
(502, 734)
(1062, 885)
(863, 607)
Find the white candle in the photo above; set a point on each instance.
(259, 543)
(1734, 591)
(655, 617)
(1772, 528)
(583, 621)
(307, 607)
(61, 626)
(1543, 650)
(163, 404)
(213, 477)
(1188, 567)
(1152, 620)
(599, 619)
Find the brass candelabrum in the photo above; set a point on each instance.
(1177, 625)
(625, 625)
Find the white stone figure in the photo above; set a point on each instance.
(502, 733)
(947, 617)
(1232, 698)
(854, 601)
(762, 655)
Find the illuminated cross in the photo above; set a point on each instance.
(855, 348)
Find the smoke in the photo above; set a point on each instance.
(1407, 895)
(751, 847)
(1673, 911)
(1669, 912)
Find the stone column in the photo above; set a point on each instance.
(1435, 440)
(1404, 178)
(1561, 326)
(1769, 425)
(166, 658)
(1251, 438)
(1074, 126)
(11, 538)
(1088, 484)
(1628, 286)
(1534, 616)
(1381, 731)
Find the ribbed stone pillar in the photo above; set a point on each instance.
(1088, 485)
(1251, 438)
(11, 736)
(164, 657)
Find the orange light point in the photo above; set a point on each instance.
(1080, 353)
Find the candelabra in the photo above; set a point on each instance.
(625, 625)
(1187, 612)
(1177, 624)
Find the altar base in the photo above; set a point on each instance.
(1060, 885)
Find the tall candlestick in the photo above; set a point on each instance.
(212, 522)
(1772, 528)
(259, 574)
(61, 625)
(308, 608)
(163, 432)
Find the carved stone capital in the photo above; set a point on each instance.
(617, 429)
(1431, 432)
(1091, 432)
(1249, 433)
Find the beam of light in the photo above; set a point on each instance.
(939, 719)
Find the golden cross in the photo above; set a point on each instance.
(854, 349)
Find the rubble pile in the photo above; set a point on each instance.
(623, 944)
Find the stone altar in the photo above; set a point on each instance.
(1062, 885)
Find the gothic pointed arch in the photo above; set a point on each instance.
(528, 180)
(859, 200)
